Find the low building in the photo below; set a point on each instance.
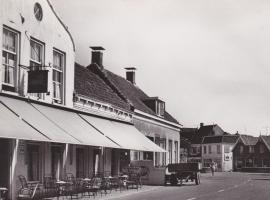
(219, 150)
(195, 151)
(149, 117)
(252, 153)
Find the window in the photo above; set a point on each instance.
(204, 150)
(170, 151)
(9, 58)
(218, 149)
(176, 151)
(251, 149)
(36, 60)
(36, 55)
(160, 108)
(209, 149)
(261, 148)
(227, 149)
(241, 149)
(58, 67)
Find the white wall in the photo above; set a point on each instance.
(49, 31)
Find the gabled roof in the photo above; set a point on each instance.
(231, 139)
(266, 140)
(248, 139)
(90, 85)
(129, 92)
(62, 23)
(207, 130)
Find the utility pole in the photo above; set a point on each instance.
(266, 130)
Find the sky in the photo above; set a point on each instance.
(208, 60)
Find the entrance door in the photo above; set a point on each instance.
(33, 162)
(115, 162)
(4, 163)
(80, 163)
(57, 162)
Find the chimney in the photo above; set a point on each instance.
(97, 56)
(201, 124)
(130, 74)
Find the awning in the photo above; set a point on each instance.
(11, 126)
(38, 120)
(127, 136)
(75, 126)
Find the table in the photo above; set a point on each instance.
(3, 190)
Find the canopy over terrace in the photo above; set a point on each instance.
(126, 135)
(22, 119)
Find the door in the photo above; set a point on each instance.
(33, 162)
(80, 163)
(57, 162)
(4, 162)
(115, 162)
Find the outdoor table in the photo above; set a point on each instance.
(61, 186)
(3, 190)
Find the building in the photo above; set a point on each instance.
(252, 153)
(37, 63)
(115, 121)
(150, 116)
(219, 150)
(195, 152)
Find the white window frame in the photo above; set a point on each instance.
(62, 71)
(15, 53)
(38, 64)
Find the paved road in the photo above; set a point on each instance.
(223, 186)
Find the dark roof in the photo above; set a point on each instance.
(230, 139)
(220, 139)
(266, 139)
(134, 94)
(91, 85)
(188, 133)
(207, 130)
(248, 139)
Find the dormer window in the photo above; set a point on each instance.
(160, 108)
(156, 105)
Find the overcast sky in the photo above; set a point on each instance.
(209, 60)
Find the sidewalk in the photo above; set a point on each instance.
(125, 193)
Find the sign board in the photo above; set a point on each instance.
(226, 157)
(38, 81)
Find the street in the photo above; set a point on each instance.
(223, 186)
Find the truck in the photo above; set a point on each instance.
(182, 172)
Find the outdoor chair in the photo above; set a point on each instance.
(29, 191)
(50, 186)
(133, 181)
(73, 187)
(92, 187)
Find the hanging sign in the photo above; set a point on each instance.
(38, 81)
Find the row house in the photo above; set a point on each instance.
(219, 150)
(149, 114)
(195, 136)
(37, 65)
(43, 129)
(251, 153)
